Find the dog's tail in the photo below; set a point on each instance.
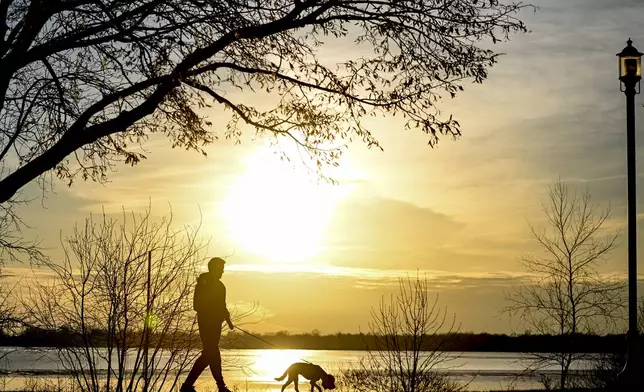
(283, 376)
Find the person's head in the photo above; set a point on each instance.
(216, 266)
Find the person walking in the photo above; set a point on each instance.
(210, 305)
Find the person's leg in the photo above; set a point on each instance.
(202, 361)
(214, 355)
(197, 368)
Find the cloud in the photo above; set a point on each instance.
(382, 233)
(388, 227)
(20, 280)
(168, 175)
(371, 277)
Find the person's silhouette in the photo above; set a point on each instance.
(210, 304)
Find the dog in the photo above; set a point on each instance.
(311, 372)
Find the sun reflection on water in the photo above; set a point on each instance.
(268, 364)
(256, 370)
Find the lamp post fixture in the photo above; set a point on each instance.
(630, 74)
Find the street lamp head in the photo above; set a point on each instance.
(630, 64)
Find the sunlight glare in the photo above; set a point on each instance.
(272, 363)
(279, 212)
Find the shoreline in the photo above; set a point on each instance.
(459, 342)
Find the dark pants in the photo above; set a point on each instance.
(210, 333)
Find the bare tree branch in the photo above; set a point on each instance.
(81, 82)
(98, 294)
(411, 337)
(568, 295)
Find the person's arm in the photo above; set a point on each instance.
(227, 313)
(230, 323)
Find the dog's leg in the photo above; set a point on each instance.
(312, 386)
(287, 383)
(295, 385)
(318, 387)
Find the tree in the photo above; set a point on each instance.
(409, 338)
(82, 82)
(568, 295)
(123, 295)
(13, 248)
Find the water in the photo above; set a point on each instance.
(254, 370)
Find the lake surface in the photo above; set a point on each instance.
(254, 370)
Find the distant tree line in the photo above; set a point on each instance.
(478, 342)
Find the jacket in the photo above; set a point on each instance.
(210, 297)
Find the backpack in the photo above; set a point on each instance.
(201, 296)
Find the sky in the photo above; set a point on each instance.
(318, 256)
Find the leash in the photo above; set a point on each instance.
(267, 342)
(256, 337)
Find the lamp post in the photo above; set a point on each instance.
(630, 73)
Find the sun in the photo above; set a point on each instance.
(277, 211)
